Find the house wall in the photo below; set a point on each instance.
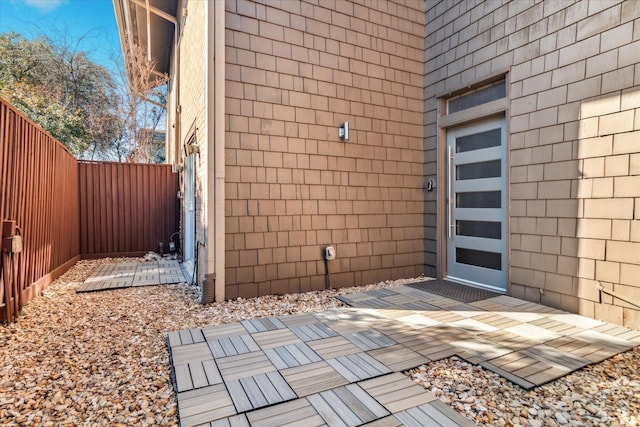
(574, 132)
(192, 112)
(295, 71)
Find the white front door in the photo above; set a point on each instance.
(189, 208)
(477, 204)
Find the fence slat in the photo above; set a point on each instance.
(108, 191)
(34, 193)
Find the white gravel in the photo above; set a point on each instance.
(606, 394)
(101, 359)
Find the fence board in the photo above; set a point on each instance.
(66, 209)
(110, 225)
(38, 190)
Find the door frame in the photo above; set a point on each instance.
(445, 121)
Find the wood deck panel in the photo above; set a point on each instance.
(240, 399)
(508, 340)
(254, 393)
(295, 413)
(357, 367)
(185, 337)
(397, 392)
(477, 349)
(190, 352)
(408, 398)
(549, 374)
(205, 405)
(534, 333)
(198, 375)
(370, 339)
(217, 332)
(281, 385)
(417, 418)
(313, 331)
(236, 421)
(398, 357)
(508, 375)
(353, 412)
(269, 390)
(266, 362)
(173, 339)
(389, 421)
(212, 372)
(366, 399)
(557, 326)
(605, 340)
(556, 357)
(126, 275)
(292, 355)
(341, 398)
(472, 326)
(362, 405)
(435, 351)
(298, 319)
(258, 391)
(592, 352)
(183, 378)
(343, 327)
(313, 378)
(329, 348)
(382, 292)
(327, 413)
(233, 345)
(263, 325)
(443, 415)
(235, 367)
(578, 321)
(277, 338)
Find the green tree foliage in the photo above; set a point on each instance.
(62, 90)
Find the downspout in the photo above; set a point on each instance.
(214, 281)
(148, 31)
(176, 108)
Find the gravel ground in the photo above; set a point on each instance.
(101, 359)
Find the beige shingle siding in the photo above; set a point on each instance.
(295, 72)
(574, 132)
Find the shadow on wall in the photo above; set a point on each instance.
(608, 236)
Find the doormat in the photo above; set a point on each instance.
(453, 290)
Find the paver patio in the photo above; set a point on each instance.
(130, 274)
(342, 366)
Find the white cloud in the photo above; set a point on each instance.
(44, 6)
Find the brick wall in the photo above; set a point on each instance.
(295, 72)
(574, 138)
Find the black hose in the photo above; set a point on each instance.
(327, 278)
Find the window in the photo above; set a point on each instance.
(477, 97)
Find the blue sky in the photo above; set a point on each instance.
(90, 23)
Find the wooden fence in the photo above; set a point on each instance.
(67, 209)
(126, 208)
